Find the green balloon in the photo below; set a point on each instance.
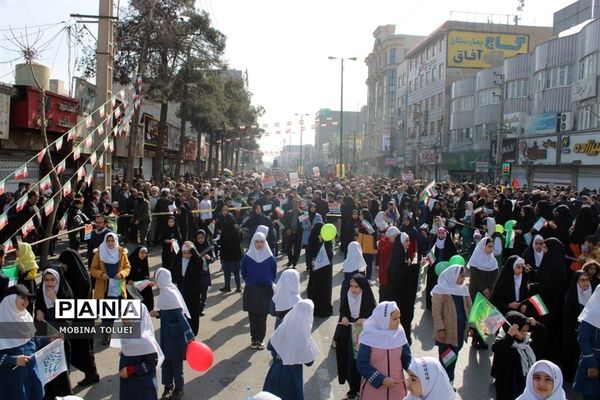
(441, 266)
(499, 229)
(328, 232)
(509, 225)
(457, 260)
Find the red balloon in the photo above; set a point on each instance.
(199, 356)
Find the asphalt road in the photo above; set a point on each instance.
(238, 370)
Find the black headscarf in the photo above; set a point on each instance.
(76, 274)
(139, 268)
(201, 246)
(504, 288)
(586, 223)
(367, 304)
(64, 289)
(312, 214)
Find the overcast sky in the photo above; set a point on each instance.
(283, 44)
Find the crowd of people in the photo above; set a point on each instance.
(532, 253)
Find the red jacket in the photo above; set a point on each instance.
(384, 252)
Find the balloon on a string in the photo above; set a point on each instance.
(457, 260)
(328, 232)
(199, 356)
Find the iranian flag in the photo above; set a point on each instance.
(40, 156)
(59, 143)
(89, 122)
(3, 221)
(27, 228)
(175, 246)
(279, 212)
(101, 161)
(449, 357)
(63, 222)
(60, 168)
(45, 183)
(101, 129)
(485, 317)
(88, 141)
(21, 173)
(93, 158)
(80, 173)
(8, 246)
(67, 188)
(49, 207)
(21, 203)
(430, 258)
(429, 191)
(105, 144)
(478, 210)
(11, 272)
(77, 153)
(111, 145)
(1, 188)
(71, 135)
(102, 113)
(538, 304)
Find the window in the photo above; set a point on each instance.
(440, 125)
(517, 88)
(386, 58)
(441, 71)
(432, 127)
(410, 86)
(427, 77)
(393, 55)
(554, 77)
(440, 97)
(441, 45)
(421, 80)
(433, 50)
(588, 117)
(426, 104)
(433, 74)
(588, 66)
(487, 96)
(462, 104)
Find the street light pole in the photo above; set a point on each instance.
(341, 104)
(302, 115)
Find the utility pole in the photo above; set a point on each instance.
(301, 164)
(500, 84)
(342, 105)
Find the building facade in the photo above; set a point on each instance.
(550, 115)
(386, 101)
(327, 137)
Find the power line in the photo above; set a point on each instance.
(30, 27)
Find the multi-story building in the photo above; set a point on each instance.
(455, 51)
(386, 82)
(550, 115)
(327, 136)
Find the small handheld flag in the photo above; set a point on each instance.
(539, 305)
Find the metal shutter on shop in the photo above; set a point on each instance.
(557, 178)
(9, 162)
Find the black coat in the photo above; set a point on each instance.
(570, 326)
(506, 365)
(504, 289)
(343, 339)
(139, 272)
(231, 243)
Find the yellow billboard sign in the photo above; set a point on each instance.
(483, 49)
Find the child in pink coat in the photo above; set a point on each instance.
(383, 354)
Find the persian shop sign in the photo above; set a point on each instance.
(584, 149)
(483, 49)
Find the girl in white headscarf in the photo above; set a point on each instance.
(140, 357)
(287, 293)
(292, 346)
(110, 267)
(175, 332)
(259, 269)
(383, 354)
(587, 379)
(544, 382)
(18, 379)
(427, 380)
(450, 310)
(483, 271)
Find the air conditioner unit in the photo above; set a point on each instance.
(565, 121)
